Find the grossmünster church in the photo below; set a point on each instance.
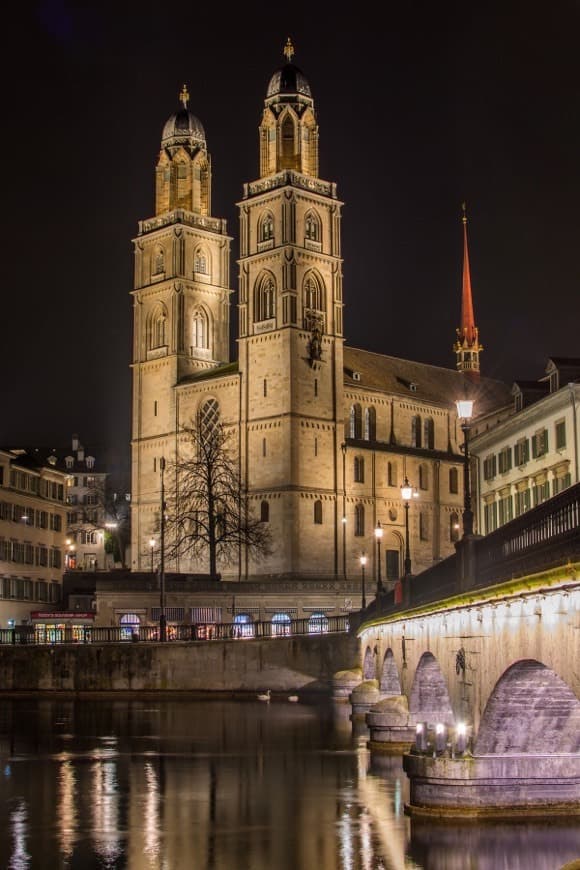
(325, 433)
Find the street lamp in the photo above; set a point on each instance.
(378, 537)
(465, 413)
(162, 620)
(152, 543)
(407, 494)
(363, 561)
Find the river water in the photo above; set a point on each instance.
(161, 784)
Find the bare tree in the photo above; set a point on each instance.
(206, 514)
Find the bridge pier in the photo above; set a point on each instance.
(493, 786)
(389, 727)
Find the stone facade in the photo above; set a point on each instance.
(325, 434)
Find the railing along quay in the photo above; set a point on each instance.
(27, 634)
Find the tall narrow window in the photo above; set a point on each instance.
(392, 474)
(355, 421)
(265, 512)
(423, 477)
(312, 293)
(288, 146)
(416, 431)
(266, 227)
(359, 469)
(370, 432)
(199, 329)
(318, 512)
(200, 262)
(263, 446)
(264, 298)
(453, 480)
(312, 227)
(359, 520)
(423, 526)
(265, 387)
(315, 386)
(316, 446)
(155, 408)
(429, 430)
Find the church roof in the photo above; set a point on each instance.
(183, 126)
(288, 80)
(422, 382)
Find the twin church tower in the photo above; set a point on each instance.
(324, 433)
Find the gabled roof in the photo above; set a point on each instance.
(424, 383)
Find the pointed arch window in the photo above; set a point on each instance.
(312, 294)
(264, 299)
(370, 433)
(200, 330)
(416, 431)
(312, 227)
(355, 421)
(288, 140)
(200, 262)
(318, 513)
(266, 227)
(209, 417)
(157, 336)
(359, 520)
(158, 261)
(429, 433)
(359, 469)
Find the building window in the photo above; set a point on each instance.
(264, 299)
(505, 460)
(265, 387)
(429, 433)
(393, 572)
(359, 469)
(506, 511)
(490, 517)
(312, 227)
(209, 417)
(489, 467)
(355, 427)
(560, 434)
(423, 477)
(540, 443)
(264, 452)
(523, 501)
(370, 424)
(265, 512)
(200, 263)
(521, 451)
(312, 294)
(266, 227)
(454, 528)
(392, 473)
(561, 482)
(453, 480)
(158, 261)
(416, 431)
(200, 330)
(423, 526)
(318, 513)
(540, 492)
(155, 408)
(359, 520)
(316, 446)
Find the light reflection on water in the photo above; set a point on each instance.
(210, 785)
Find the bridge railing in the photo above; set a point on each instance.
(544, 537)
(27, 634)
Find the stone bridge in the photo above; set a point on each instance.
(480, 680)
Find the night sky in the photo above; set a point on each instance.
(441, 103)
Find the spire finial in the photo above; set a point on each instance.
(184, 96)
(464, 210)
(288, 50)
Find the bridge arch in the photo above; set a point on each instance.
(530, 710)
(429, 700)
(369, 664)
(389, 682)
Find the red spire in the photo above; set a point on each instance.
(467, 330)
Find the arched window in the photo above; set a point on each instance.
(243, 625)
(454, 528)
(312, 227)
(359, 520)
(288, 137)
(265, 512)
(359, 469)
(281, 624)
(392, 474)
(200, 329)
(200, 262)
(264, 298)
(453, 480)
(266, 227)
(416, 431)
(370, 433)
(157, 327)
(355, 421)
(318, 512)
(209, 417)
(318, 623)
(129, 623)
(312, 294)
(423, 477)
(429, 431)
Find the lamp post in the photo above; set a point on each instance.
(343, 448)
(378, 537)
(152, 543)
(465, 413)
(406, 495)
(363, 561)
(162, 621)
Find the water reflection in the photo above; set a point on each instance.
(166, 785)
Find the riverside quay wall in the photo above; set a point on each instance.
(280, 664)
